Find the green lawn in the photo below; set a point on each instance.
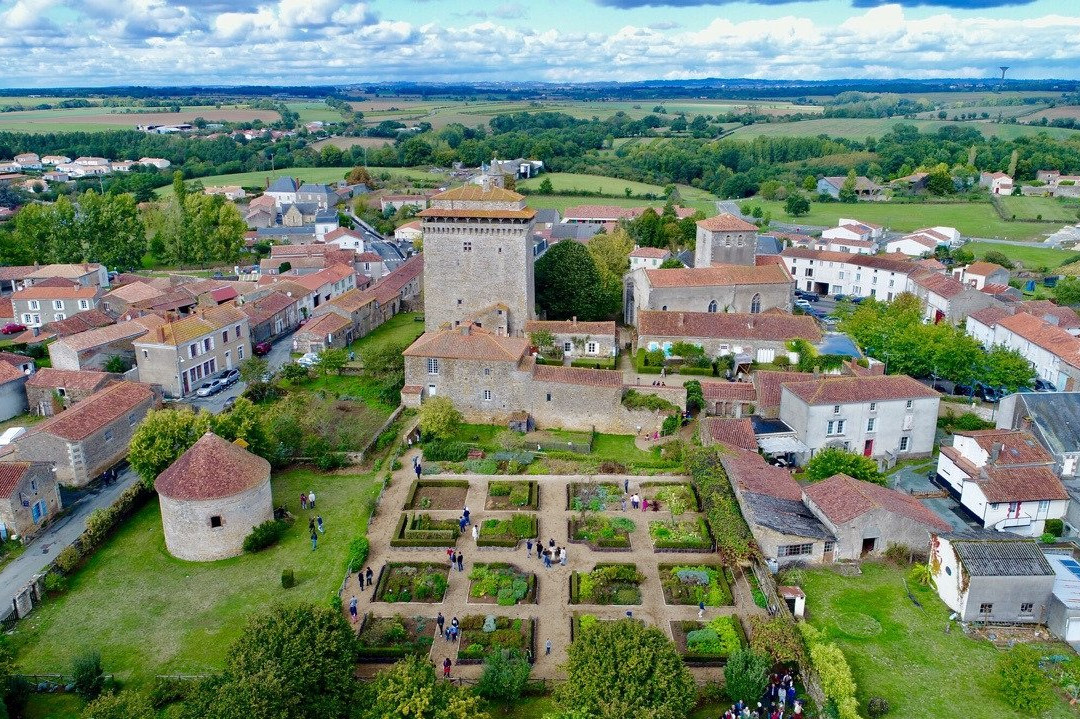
(690, 196)
(1032, 257)
(1032, 208)
(314, 112)
(149, 613)
(260, 179)
(53, 706)
(572, 182)
(901, 652)
(403, 328)
(859, 128)
(975, 219)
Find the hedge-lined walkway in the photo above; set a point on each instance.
(553, 610)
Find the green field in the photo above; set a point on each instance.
(402, 328)
(1032, 257)
(858, 129)
(899, 651)
(305, 174)
(1040, 208)
(571, 182)
(974, 219)
(101, 119)
(149, 613)
(314, 111)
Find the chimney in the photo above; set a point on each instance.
(995, 451)
(573, 320)
(465, 329)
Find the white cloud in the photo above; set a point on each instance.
(324, 41)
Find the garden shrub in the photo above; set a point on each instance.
(746, 674)
(499, 489)
(776, 637)
(264, 535)
(358, 553)
(67, 560)
(167, 690)
(1055, 527)
(833, 671)
(877, 707)
(55, 583)
(1023, 684)
(445, 451)
(504, 677)
(288, 579)
(87, 675)
(671, 425)
(632, 399)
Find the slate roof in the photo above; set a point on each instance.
(842, 498)
(475, 344)
(726, 222)
(786, 516)
(282, 184)
(718, 276)
(768, 245)
(871, 388)
(96, 411)
(212, 468)
(1056, 416)
(728, 325)
(733, 432)
(986, 553)
(548, 216)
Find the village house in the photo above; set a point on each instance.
(29, 498)
(397, 202)
(1054, 354)
(42, 303)
(235, 193)
(998, 183)
(921, 242)
(865, 189)
(12, 391)
(282, 191)
(271, 315)
(51, 390)
(91, 436)
(732, 432)
(400, 290)
(946, 299)
(361, 308)
(370, 264)
(730, 399)
(1004, 478)
(180, 355)
(835, 273)
(84, 274)
(852, 236)
(55, 160)
(883, 417)
(128, 295)
(23, 363)
(318, 193)
(724, 240)
(981, 274)
(325, 331)
(93, 348)
(64, 328)
(601, 214)
(28, 161)
(649, 257)
(409, 232)
(987, 576)
(763, 337)
(327, 284)
(345, 238)
(719, 288)
(577, 340)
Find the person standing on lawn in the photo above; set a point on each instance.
(311, 499)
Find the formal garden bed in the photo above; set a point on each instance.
(483, 634)
(387, 639)
(690, 584)
(662, 494)
(502, 584)
(437, 494)
(584, 620)
(601, 532)
(593, 496)
(422, 530)
(607, 584)
(508, 531)
(684, 535)
(518, 494)
(412, 582)
(708, 643)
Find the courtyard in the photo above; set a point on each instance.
(647, 563)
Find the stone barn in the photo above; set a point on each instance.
(211, 498)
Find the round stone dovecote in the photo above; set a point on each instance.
(211, 498)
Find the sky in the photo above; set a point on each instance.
(86, 43)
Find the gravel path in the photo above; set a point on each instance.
(552, 610)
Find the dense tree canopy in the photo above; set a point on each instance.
(831, 460)
(409, 690)
(569, 284)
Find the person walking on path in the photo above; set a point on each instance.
(461, 525)
(460, 562)
(352, 608)
(645, 505)
(314, 540)
(318, 520)
(562, 557)
(360, 579)
(624, 503)
(547, 647)
(634, 501)
(539, 550)
(528, 548)
(370, 576)
(701, 609)
(465, 515)
(547, 559)
(446, 668)
(311, 499)
(441, 621)
(418, 469)
(475, 532)
(626, 485)
(303, 501)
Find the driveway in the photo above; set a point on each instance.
(43, 549)
(277, 357)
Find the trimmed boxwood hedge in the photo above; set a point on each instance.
(404, 536)
(514, 530)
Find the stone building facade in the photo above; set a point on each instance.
(725, 240)
(51, 390)
(29, 498)
(211, 498)
(477, 254)
(591, 340)
(763, 337)
(721, 288)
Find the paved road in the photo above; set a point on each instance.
(43, 549)
(277, 357)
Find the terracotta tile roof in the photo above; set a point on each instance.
(930, 263)
(1017, 446)
(762, 260)
(338, 233)
(727, 325)
(993, 288)
(266, 307)
(96, 411)
(189, 328)
(412, 389)
(729, 391)
(312, 250)
(212, 468)
(368, 257)
(983, 269)
(655, 253)
(1045, 335)
(103, 336)
(465, 343)
(17, 272)
(326, 324)
(990, 316)
(224, 294)
(570, 327)
(10, 373)
(7, 311)
(719, 275)
(353, 300)
(79, 322)
(328, 276)
(842, 498)
(134, 292)
(476, 193)
(732, 432)
(15, 360)
(577, 375)
(751, 473)
(11, 474)
(1020, 484)
(56, 282)
(51, 378)
(414, 225)
(767, 383)
(895, 262)
(726, 222)
(46, 292)
(848, 390)
(850, 243)
(287, 285)
(70, 270)
(389, 287)
(1066, 316)
(942, 285)
(526, 214)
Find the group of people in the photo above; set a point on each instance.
(778, 702)
(363, 577)
(549, 555)
(315, 524)
(658, 383)
(465, 521)
(457, 559)
(449, 632)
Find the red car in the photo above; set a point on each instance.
(262, 348)
(13, 328)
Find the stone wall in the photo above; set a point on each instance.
(19, 519)
(640, 295)
(724, 248)
(887, 527)
(13, 398)
(187, 524)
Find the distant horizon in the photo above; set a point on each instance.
(83, 44)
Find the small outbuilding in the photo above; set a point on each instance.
(211, 498)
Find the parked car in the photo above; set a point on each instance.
(807, 295)
(1042, 385)
(803, 305)
(307, 360)
(988, 393)
(231, 377)
(229, 403)
(963, 390)
(262, 348)
(211, 387)
(12, 328)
